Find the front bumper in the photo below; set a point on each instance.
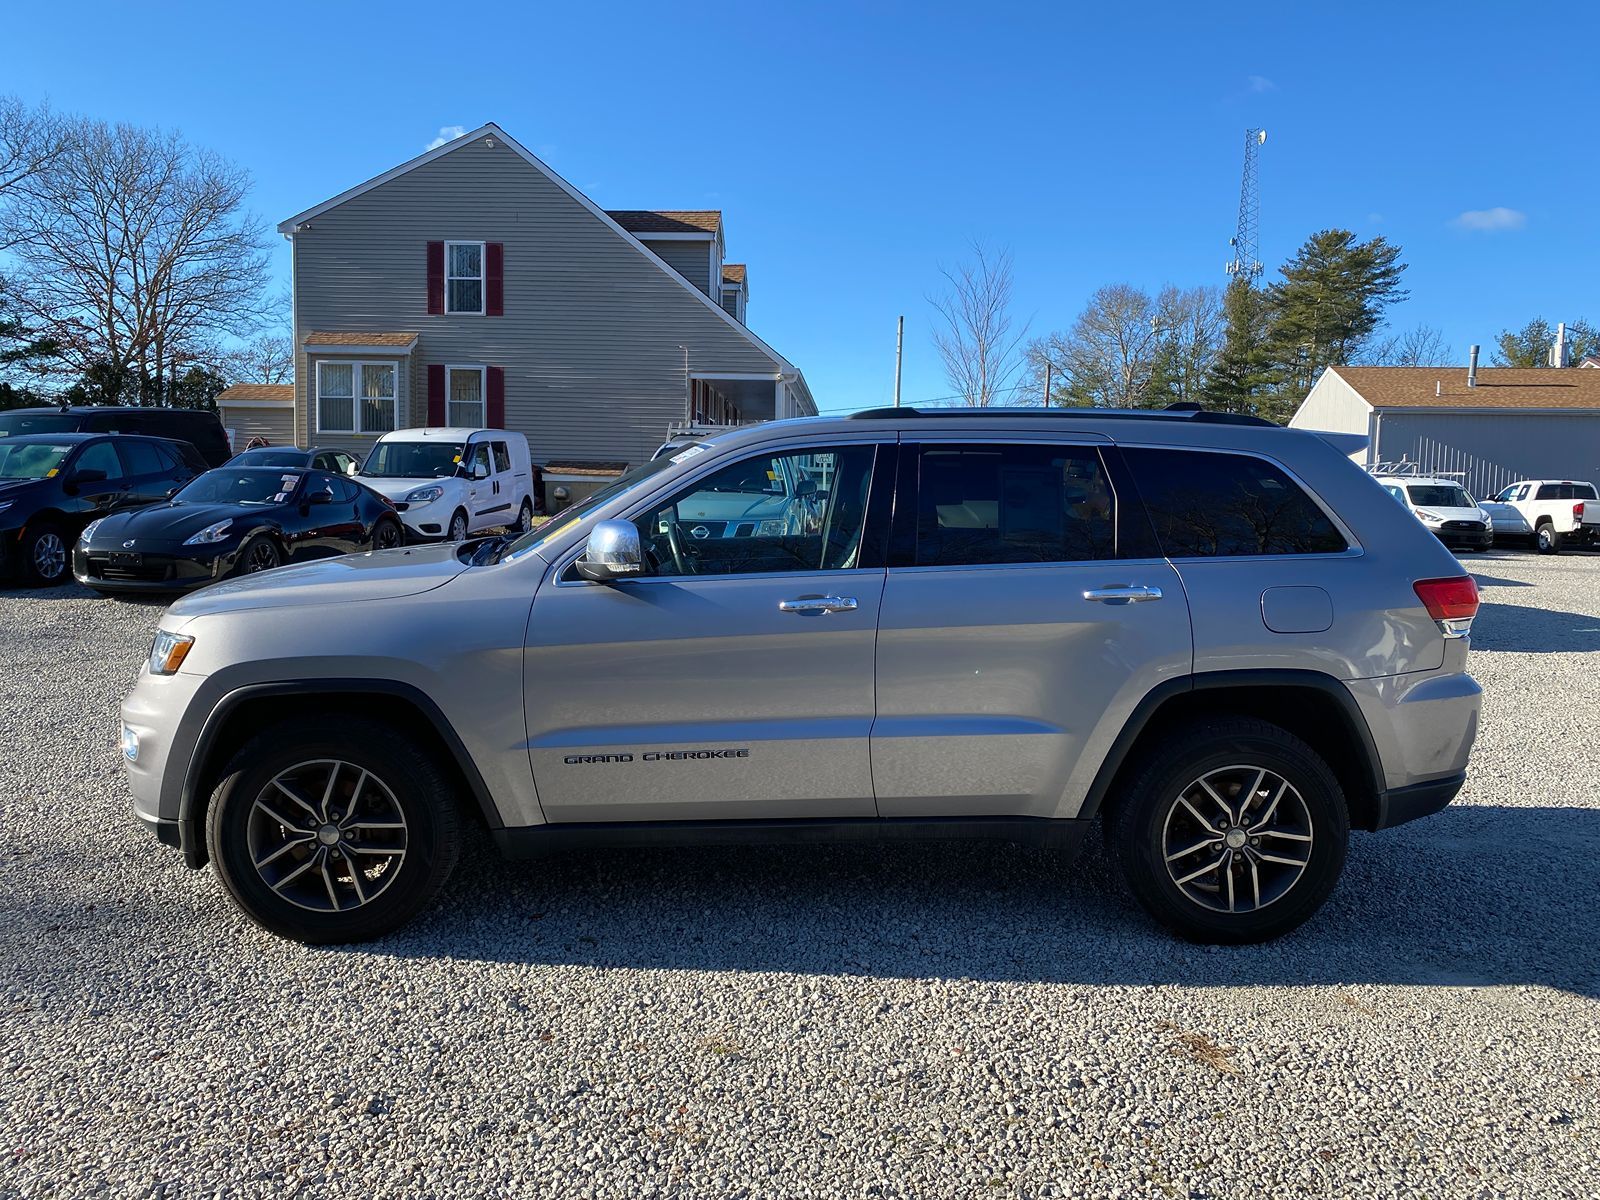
(165, 569)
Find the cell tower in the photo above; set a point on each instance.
(1245, 264)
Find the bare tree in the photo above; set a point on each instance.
(137, 253)
(1191, 326)
(1423, 346)
(31, 141)
(265, 358)
(979, 339)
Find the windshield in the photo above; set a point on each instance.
(413, 460)
(31, 460)
(14, 423)
(269, 458)
(565, 519)
(1439, 495)
(250, 486)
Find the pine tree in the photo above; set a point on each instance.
(1530, 346)
(1242, 379)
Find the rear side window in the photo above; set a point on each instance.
(1206, 505)
(140, 458)
(1024, 503)
(1566, 491)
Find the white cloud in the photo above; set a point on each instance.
(447, 133)
(1490, 220)
(1257, 84)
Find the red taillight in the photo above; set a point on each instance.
(1451, 602)
(1577, 512)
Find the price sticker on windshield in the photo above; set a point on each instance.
(688, 454)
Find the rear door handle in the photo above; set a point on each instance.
(1123, 593)
(818, 604)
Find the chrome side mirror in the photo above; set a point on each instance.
(612, 553)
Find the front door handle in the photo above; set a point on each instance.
(818, 604)
(1123, 593)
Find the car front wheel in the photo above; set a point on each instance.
(458, 528)
(329, 837)
(44, 553)
(1233, 830)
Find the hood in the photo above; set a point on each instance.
(169, 522)
(348, 579)
(395, 488)
(1452, 514)
(10, 489)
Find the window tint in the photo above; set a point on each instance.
(1206, 504)
(1012, 504)
(791, 511)
(99, 456)
(1439, 495)
(502, 457)
(1566, 491)
(343, 490)
(140, 458)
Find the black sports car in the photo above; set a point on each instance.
(234, 521)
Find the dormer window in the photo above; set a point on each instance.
(464, 275)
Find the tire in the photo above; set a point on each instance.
(1150, 821)
(387, 534)
(45, 556)
(259, 553)
(319, 900)
(524, 517)
(1546, 540)
(457, 530)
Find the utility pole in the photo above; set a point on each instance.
(899, 347)
(1049, 371)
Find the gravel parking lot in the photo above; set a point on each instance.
(902, 1021)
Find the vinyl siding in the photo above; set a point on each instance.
(1492, 449)
(692, 260)
(1332, 406)
(274, 424)
(593, 337)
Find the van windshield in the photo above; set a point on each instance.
(1439, 495)
(567, 517)
(414, 460)
(12, 424)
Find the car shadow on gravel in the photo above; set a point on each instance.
(1529, 630)
(1478, 895)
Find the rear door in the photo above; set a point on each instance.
(148, 473)
(1026, 613)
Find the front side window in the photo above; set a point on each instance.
(502, 458)
(1025, 503)
(464, 397)
(1205, 504)
(357, 397)
(463, 277)
(99, 456)
(786, 511)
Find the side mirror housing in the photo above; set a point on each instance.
(613, 552)
(87, 475)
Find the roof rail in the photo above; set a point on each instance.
(1175, 413)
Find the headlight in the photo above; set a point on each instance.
(770, 529)
(211, 533)
(88, 530)
(1424, 515)
(4, 504)
(423, 495)
(168, 651)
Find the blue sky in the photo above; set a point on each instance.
(855, 148)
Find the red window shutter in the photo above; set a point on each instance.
(436, 394)
(494, 279)
(435, 278)
(496, 407)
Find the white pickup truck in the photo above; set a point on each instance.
(1551, 512)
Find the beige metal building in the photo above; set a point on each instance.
(264, 410)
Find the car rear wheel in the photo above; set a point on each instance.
(259, 554)
(387, 534)
(44, 556)
(329, 837)
(1547, 539)
(458, 527)
(1233, 830)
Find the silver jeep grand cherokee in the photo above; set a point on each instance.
(1210, 632)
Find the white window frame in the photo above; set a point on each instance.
(483, 394)
(482, 278)
(357, 366)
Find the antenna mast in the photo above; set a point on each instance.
(1245, 265)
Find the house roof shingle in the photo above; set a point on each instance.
(257, 391)
(733, 272)
(1498, 387)
(359, 338)
(647, 221)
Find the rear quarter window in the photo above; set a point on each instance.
(1205, 504)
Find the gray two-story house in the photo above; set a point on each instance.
(473, 286)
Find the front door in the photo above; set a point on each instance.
(735, 681)
(1024, 617)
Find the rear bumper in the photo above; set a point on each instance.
(1396, 806)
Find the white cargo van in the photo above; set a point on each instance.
(451, 483)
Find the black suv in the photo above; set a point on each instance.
(53, 484)
(199, 427)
